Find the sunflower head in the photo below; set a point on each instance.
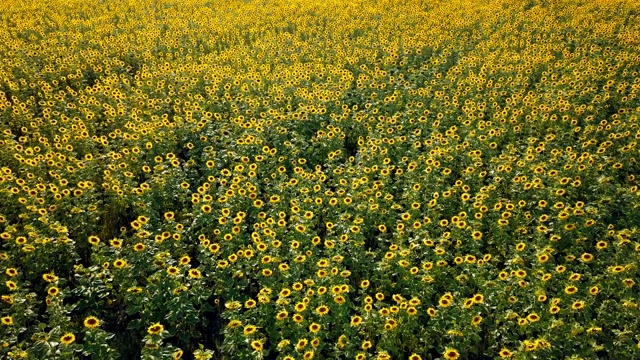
(91, 322)
(67, 339)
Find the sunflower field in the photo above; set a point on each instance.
(319, 179)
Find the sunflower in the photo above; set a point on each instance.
(195, 274)
(172, 270)
(7, 320)
(185, 260)
(297, 286)
(11, 285)
(505, 354)
(234, 324)
(390, 324)
(283, 314)
(533, 317)
(53, 291)
(586, 257)
(120, 264)
(575, 277)
(50, 278)
(322, 310)
(67, 339)
(178, 354)
(94, 240)
(301, 344)
(155, 329)
(451, 354)
(215, 248)
(257, 345)
(468, 303)
(300, 307)
(134, 290)
(570, 290)
(578, 305)
(249, 329)
(282, 344)
(617, 269)
(11, 272)
(91, 322)
(520, 273)
(478, 298)
(315, 327)
(593, 330)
